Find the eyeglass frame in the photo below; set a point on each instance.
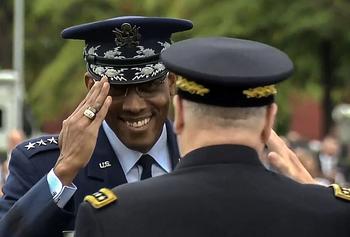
(139, 92)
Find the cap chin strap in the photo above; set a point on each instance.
(130, 62)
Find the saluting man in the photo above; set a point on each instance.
(224, 113)
(47, 180)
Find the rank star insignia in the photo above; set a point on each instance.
(30, 146)
(41, 143)
(52, 140)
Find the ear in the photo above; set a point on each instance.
(179, 114)
(270, 116)
(172, 83)
(89, 81)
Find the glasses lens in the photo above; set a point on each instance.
(149, 89)
(117, 90)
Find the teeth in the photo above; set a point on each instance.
(138, 124)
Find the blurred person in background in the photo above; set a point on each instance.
(308, 160)
(14, 137)
(328, 160)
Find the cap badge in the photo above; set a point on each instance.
(262, 91)
(127, 35)
(191, 86)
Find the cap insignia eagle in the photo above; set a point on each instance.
(127, 35)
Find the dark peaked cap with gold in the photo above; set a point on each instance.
(226, 71)
(126, 49)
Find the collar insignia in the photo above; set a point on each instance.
(101, 198)
(105, 164)
(343, 193)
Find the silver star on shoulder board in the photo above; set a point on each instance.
(41, 143)
(30, 146)
(52, 140)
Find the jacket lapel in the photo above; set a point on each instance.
(104, 163)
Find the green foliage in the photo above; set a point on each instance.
(54, 67)
(60, 83)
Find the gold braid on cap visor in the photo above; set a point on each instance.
(190, 86)
(259, 92)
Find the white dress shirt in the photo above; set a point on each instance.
(127, 158)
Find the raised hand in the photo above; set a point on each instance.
(77, 139)
(285, 161)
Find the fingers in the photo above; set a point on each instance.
(100, 95)
(284, 160)
(82, 103)
(91, 97)
(100, 116)
(277, 162)
(95, 96)
(275, 143)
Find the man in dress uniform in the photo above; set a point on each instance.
(135, 141)
(224, 112)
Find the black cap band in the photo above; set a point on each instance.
(127, 62)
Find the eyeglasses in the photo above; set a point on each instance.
(144, 90)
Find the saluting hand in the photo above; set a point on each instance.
(77, 139)
(285, 161)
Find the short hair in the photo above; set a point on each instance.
(236, 117)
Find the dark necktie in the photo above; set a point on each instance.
(146, 162)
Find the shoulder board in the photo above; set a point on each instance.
(101, 198)
(36, 145)
(340, 192)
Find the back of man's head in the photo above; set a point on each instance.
(226, 90)
(217, 117)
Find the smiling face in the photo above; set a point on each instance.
(137, 116)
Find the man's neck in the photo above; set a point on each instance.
(192, 140)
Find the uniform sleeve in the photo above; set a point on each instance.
(61, 194)
(87, 224)
(27, 207)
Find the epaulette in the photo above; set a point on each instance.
(36, 145)
(340, 192)
(101, 198)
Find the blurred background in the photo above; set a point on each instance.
(41, 75)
